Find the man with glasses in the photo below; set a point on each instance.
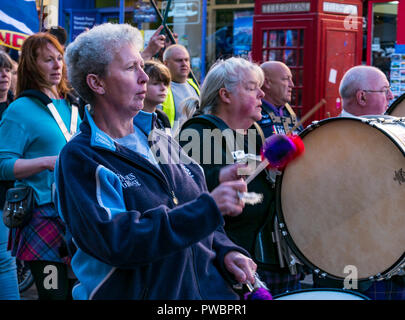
(364, 90)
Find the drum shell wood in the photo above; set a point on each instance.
(341, 203)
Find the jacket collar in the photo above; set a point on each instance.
(143, 120)
(272, 108)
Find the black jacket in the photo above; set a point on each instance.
(244, 228)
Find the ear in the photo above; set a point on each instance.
(224, 95)
(266, 84)
(361, 98)
(95, 83)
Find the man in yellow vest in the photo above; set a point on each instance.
(177, 59)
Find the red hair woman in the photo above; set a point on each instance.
(32, 133)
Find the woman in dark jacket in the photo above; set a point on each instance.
(230, 104)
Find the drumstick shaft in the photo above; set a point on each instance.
(258, 169)
(307, 115)
(265, 162)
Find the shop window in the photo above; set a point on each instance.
(106, 3)
(228, 40)
(287, 45)
(383, 34)
(226, 2)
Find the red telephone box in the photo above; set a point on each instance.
(319, 40)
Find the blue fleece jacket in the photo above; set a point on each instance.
(141, 232)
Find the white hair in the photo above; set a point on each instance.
(92, 51)
(357, 78)
(226, 74)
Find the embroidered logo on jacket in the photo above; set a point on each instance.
(187, 170)
(129, 180)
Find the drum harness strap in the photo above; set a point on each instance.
(285, 255)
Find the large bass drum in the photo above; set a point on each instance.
(397, 108)
(341, 205)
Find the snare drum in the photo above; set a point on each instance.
(341, 205)
(397, 108)
(321, 294)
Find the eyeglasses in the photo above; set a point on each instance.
(386, 90)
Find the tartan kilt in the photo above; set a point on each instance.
(280, 282)
(42, 238)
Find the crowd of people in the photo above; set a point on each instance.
(132, 199)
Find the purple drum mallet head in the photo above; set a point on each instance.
(279, 149)
(258, 294)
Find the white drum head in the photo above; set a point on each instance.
(314, 294)
(343, 201)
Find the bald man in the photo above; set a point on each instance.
(177, 59)
(277, 115)
(278, 118)
(365, 90)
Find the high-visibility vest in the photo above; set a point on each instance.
(168, 104)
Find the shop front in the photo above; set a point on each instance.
(385, 42)
(204, 27)
(321, 39)
(213, 29)
(210, 29)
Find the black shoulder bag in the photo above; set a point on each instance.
(17, 211)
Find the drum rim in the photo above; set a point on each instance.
(394, 104)
(287, 236)
(322, 289)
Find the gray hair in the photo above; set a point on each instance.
(357, 78)
(92, 51)
(226, 74)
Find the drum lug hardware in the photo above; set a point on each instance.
(281, 225)
(284, 233)
(319, 274)
(294, 260)
(377, 277)
(314, 124)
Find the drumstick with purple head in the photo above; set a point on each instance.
(258, 291)
(281, 149)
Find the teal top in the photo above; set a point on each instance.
(28, 130)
